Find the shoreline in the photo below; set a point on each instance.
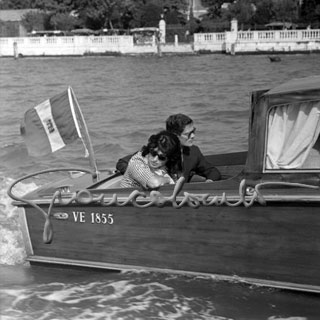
(164, 54)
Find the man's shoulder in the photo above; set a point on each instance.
(195, 150)
(193, 154)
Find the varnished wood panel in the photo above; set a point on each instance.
(275, 242)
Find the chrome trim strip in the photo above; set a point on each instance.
(25, 231)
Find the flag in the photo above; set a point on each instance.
(51, 125)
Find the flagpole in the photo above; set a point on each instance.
(86, 136)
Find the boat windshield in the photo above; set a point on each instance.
(293, 137)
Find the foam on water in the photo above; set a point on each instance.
(12, 248)
(122, 299)
(125, 296)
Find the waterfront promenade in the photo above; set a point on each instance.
(229, 42)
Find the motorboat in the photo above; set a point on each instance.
(259, 224)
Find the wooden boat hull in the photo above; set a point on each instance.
(274, 243)
(270, 236)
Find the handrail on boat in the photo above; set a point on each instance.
(48, 230)
(247, 197)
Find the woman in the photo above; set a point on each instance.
(157, 164)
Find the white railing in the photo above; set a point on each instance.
(282, 35)
(76, 45)
(209, 37)
(311, 34)
(245, 36)
(241, 41)
(259, 41)
(267, 35)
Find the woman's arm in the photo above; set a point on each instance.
(140, 172)
(157, 181)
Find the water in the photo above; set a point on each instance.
(124, 100)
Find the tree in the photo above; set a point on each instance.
(151, 15)
(35, 21)
(265, 12)
(242, 10)
(214, 8)
(53, 5)
(148, 12)
(98, 14)
(63, 21)
(134, 13)
(168, 5)
(15, 4)
(310, 11)
(286, 10)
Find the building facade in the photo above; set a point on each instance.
(10, 22)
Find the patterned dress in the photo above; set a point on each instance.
(138, 173)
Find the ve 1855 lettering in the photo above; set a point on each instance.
(93, 217)
(101, 218)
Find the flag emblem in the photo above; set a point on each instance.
(50, 125)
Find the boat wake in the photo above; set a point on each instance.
(122, 299)
(12, 247)
(132, 295)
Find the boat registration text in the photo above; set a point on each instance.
(93, 217)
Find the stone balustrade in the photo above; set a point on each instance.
(231, 42)
(259, 41)
(59, 46)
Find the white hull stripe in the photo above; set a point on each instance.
(45, 114)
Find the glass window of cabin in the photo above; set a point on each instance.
(292, 141)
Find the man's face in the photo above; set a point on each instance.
(187, 136)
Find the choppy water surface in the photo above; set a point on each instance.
(124, 100)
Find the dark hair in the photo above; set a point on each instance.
(177, 122)
(169, 144)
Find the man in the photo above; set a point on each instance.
(193, 161)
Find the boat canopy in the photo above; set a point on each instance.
(295, 90)
(297, 85)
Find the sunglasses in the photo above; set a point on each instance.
(161, 157)
(188, 134)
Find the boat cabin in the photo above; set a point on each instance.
(284, 132)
